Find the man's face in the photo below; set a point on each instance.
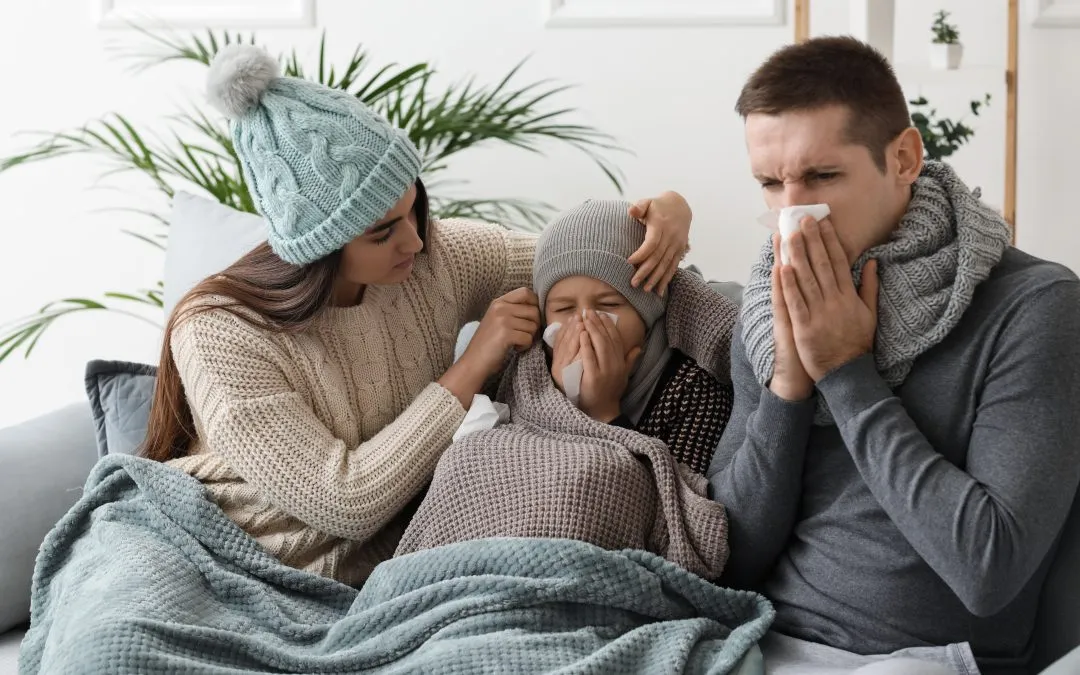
(804, 157)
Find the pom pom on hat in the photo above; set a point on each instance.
(239, 75)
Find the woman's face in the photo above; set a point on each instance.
(385, 253)
(569, 296)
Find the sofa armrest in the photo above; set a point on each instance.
(44, 463)
(1066, 665)
(1057, 626)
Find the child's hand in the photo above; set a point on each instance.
(606, 367)
(567, 347)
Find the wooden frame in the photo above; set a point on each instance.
(221, 14)
(802, 32)
(621, 13)
(1055, 13)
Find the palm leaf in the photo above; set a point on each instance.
(197, 150)
(164, 48)
(26, 332)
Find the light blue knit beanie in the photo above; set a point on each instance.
(322, 167)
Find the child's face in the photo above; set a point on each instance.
(569, 296)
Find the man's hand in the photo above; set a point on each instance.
(606, 366)
(667, 239)
(789, 379)
(833, 323)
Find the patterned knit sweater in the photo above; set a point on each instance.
(301, 435)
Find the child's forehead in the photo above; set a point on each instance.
(580, 285)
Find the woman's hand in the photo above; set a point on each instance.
(566, 350)
(606, 367)
(667, 239)
(510, 323)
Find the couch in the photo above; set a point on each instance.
(45, 461)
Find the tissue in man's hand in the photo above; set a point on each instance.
(571, 374)
(788, 223)
(483, 414)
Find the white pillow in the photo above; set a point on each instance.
(205, 237)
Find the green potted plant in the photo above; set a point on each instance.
(196, 152)
(945, 50)
(942, 136)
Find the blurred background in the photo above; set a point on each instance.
(650, 87)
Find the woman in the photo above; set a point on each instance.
(597, 460)
(309, 386)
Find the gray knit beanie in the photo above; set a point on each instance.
(595, 239)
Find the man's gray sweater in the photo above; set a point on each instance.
(928, 515)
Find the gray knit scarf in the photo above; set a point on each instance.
(655, 355)
(945, 246)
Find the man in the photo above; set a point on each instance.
(903, 451)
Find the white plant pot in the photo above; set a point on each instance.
(945, 56)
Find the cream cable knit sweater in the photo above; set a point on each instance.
(316, 443)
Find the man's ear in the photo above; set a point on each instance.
(908, 150)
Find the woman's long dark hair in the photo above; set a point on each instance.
(286, 298)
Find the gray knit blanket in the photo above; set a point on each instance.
(146, 575)
(945, 246)
(554, 472)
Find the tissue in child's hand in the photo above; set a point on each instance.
(788, 223)
(550, 332)
(483, 414)
(571, 381)
(571, 374)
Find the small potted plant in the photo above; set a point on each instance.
(942, 136)
(945, 50)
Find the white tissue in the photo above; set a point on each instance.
(571, 381)
(788, 222)
(550, 332)
(769, 219)
(484, 414)
(571, 374)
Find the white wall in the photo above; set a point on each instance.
(665, 93)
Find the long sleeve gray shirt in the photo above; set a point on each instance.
(927, 515)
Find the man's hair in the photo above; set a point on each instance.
(829, 71)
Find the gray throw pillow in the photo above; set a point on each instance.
(120, 395)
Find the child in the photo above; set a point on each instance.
(609, 459)
(629, 374)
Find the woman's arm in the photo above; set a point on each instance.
(237, 380)
(481, 262)
(700, 323)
